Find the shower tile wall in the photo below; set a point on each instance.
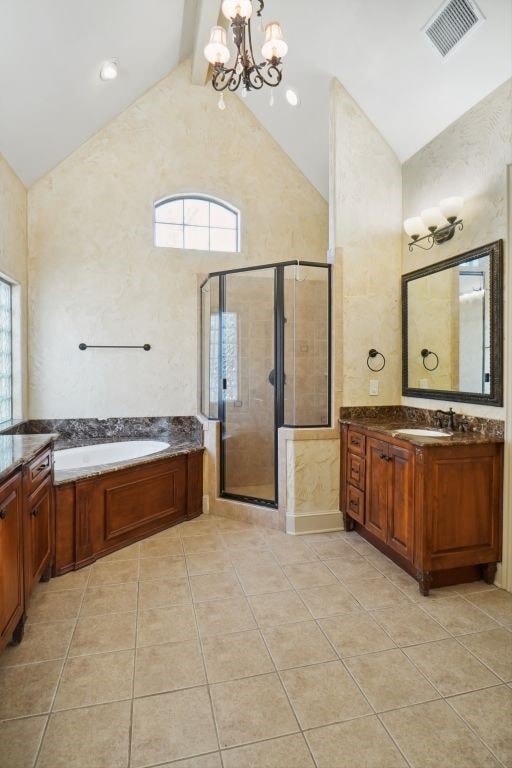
(306, 347)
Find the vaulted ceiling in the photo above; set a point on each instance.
(52, 100)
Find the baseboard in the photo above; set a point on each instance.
(325, 522)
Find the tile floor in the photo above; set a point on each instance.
(221, 644)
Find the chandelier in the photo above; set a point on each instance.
(246, 70)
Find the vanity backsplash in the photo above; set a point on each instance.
(424, 416)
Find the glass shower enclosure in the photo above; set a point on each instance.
(265, 363)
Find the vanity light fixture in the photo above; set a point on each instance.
(109, 70)
(435, 225)
(246, 71)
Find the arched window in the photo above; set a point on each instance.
(197, 222)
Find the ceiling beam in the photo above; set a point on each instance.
(188, 29)
(207, 16)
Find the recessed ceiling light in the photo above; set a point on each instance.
(292, 97)
(109, 70)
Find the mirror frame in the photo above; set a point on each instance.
(495, 397)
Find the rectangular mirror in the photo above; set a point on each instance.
(452, 328)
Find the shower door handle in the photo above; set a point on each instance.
(272, 377)
(224, 384)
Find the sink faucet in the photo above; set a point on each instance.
(451, 418)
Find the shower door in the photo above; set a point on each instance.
(248, 384)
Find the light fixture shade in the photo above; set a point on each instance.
(109, 70)
(451, 208)
(217, 51)
(274, 46)
(233, 8)
(433, 219)
(415, 227)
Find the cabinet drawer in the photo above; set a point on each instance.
(356, 442)
(355, 504)
(38, 470)
(356, 467)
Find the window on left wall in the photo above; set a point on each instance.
(6, 357)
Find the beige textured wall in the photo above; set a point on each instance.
(470, 159)
(13, 265)
(95, 275)
(365, 241)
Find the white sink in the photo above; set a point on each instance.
(423, 432)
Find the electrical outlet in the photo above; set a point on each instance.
(374, 387)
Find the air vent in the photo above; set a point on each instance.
(452, 23)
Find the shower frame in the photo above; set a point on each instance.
(279, 349)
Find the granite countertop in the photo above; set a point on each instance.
(176, 448)
(17, 450)
(390, 427)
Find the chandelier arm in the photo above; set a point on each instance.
(260, 9)
(224, 78)
(266, 74)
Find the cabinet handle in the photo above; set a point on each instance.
(41, 467)
(383, 456)
(3, 514)
(354, 441)
(35, 512)
(353, 504)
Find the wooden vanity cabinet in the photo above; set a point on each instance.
(26, 526)
(11, 560)
(38, 536)
(435, 510)
(389, 495)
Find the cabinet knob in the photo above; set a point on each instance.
(3, 514)
(35, 512)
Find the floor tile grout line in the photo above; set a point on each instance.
(50, 712)
(456, 638)
(395, 742)
(281, 682)
(131, 727)
(205, 671)
(473, 731)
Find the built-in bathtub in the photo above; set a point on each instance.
(117, 481)
(105, 453)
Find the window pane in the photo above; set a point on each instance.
(171, 213)
(221, 217)
(223, 240)
(197, 212)
(197, 238)
(168, 236)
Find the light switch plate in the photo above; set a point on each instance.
(374, 387)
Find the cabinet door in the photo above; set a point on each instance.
(377, 481)
(400, 501)
(11, 555)
(38, 534)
